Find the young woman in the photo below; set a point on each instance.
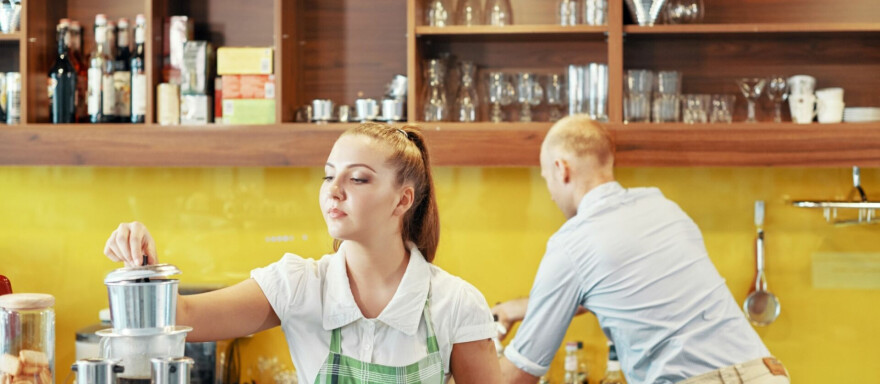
(376, 310)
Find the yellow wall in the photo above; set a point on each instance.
(216, 224)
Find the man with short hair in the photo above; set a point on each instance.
(638, 262)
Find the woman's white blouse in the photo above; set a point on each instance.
(312, 297)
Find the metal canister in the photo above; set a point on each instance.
(171, 370)
(96, 371)
(13, 98)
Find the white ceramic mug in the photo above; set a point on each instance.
(801, 84)
(803, 108)
(830, 94)
(829, 112)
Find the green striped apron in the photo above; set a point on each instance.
(341, 369)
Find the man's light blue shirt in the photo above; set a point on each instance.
(638, 262)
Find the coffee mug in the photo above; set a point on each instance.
(829, 112)
(803, 108)
(801, 84)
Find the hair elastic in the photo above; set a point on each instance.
(403, 132)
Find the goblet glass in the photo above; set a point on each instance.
(751, 88)
(529, 93)
(777, 92)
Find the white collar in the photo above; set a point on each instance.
(403, 312)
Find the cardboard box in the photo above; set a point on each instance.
(197, 71)
(195, 109)
(168, 104)
(248, 111)
(249, 86)
(245, 61)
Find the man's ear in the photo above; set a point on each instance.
(405, 202)
(563, 170)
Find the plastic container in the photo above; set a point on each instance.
(27, 338)
(135, 351)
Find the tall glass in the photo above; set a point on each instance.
(468, 13)
(499, 12)
(438, 13)
(637, 95)
(555, 90)
(667, 90)
(466, 100)
(567, 12)
(434, 106)
(722, 108)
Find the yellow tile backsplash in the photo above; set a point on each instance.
(216, 224)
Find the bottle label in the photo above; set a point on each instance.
(122, 88)
(139, 94)
(139, 35)
(109, 99)
(94, 96)
(571, 363)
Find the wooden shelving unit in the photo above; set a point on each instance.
(323, 51)
(452, 144)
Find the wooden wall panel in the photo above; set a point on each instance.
(352, 48)
(229, 22)
(9, 53)
(791, 11)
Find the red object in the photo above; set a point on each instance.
(5, 285)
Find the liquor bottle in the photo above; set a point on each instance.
(571, 362)
(101, 98)
(138, 73)
(74, 49)
(62, 81)
(122, 73)
(612, 372)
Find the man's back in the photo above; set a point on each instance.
(638, 262)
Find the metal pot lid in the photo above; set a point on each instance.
(141, 272)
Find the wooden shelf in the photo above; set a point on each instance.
(452, 144)
(754, 28)
(10, 36)
(510, 30)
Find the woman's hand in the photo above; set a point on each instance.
(509, 313)
(129, 243)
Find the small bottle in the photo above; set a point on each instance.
(613, 375)
(62, 80)
(583, 373)
(101, 97)
(82, 71)
(571, 362)
(122, 73)
(138, 73)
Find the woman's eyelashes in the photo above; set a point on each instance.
(354, 179)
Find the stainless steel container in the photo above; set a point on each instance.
(142, 299)
(171, 370)
(97, 371)
(366, 109)
(322, 110)
(393, 110)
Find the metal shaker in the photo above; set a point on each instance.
(171, 370)
(97, 371)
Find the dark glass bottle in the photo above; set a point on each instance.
(138, 73)
(62, 82)
(74, 50)
(122, 73)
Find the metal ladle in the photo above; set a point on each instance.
(761, 306)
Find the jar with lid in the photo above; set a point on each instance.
(27, 338)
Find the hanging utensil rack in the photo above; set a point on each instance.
(857, 200)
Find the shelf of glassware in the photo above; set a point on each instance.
(754, 28)
(452, 144)
(539, 29)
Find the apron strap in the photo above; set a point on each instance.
(433, 346)
(336, 341)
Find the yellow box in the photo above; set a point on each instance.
(248, 111)
(244, 61)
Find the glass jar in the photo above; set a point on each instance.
(27, 338)
(434, 106)
(466, 100)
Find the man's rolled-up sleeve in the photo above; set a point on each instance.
(553, 302)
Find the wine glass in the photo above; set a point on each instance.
(529, 93)
(466, 103)
(500, 93)
(751, 88)
(555, 90)
(684, 11)
(777, 92)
